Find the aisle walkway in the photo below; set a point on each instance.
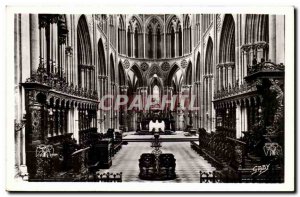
(188, 162)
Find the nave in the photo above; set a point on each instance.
(92, 79)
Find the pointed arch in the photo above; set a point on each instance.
(150, 41)
(187, 32)
(138, 75)
(155, 69)
(227, 40)
(112, 30)
(112, 69)
(171, 73)
(155, 81)
(174, 28)
(256, 28)
(174, 21)
(226, 54)
(154, 21)
(136, 22)
(208, 86)
(129, 40)
(84, 50)
(209, 57)
(122, 78)
(121, 35)
(188, 74)
(257, 33)
(198, 69)
(101, 60)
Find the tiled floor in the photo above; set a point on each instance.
(188, 162)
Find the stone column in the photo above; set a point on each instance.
(230, 75)
(272, 38)
(43, 41)
(246, 55)
(224, 76)
(34, 42)
(99, 112)
(176, 41)
(220, 77)
(55, 44)
(144, 34)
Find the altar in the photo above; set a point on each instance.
(156, 126)
(155, 121)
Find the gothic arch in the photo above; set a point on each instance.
(122, 78)
(101, 60)
(155, 69)
(187, 33)
(208, 69)
(172, 20)
(138, 74)
(198, 69)
(171, 73)
(84, 42)
(227, 40)
(136, 21)
(84, 49)
(121, 35)
(154, 21)
(173, 28)
(256, 28)
(225, 75)
(112, 69)
(188, 74)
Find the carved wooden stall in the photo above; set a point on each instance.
(50, 103)
(256, 155)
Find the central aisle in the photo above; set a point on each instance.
(188, 162)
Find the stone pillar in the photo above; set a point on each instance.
(34, 42)
(280, 39)
(272, 38)
(43, 42)
(144, 34)
(224, 76)
(230, 75)
(176, 41)
(55, 44)
(221, 77)
(245, 66)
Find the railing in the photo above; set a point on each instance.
(110, 177)
(235, 91)
(59, 84)
(241, 176)
(245, 87)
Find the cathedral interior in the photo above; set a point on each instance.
(229, 66)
